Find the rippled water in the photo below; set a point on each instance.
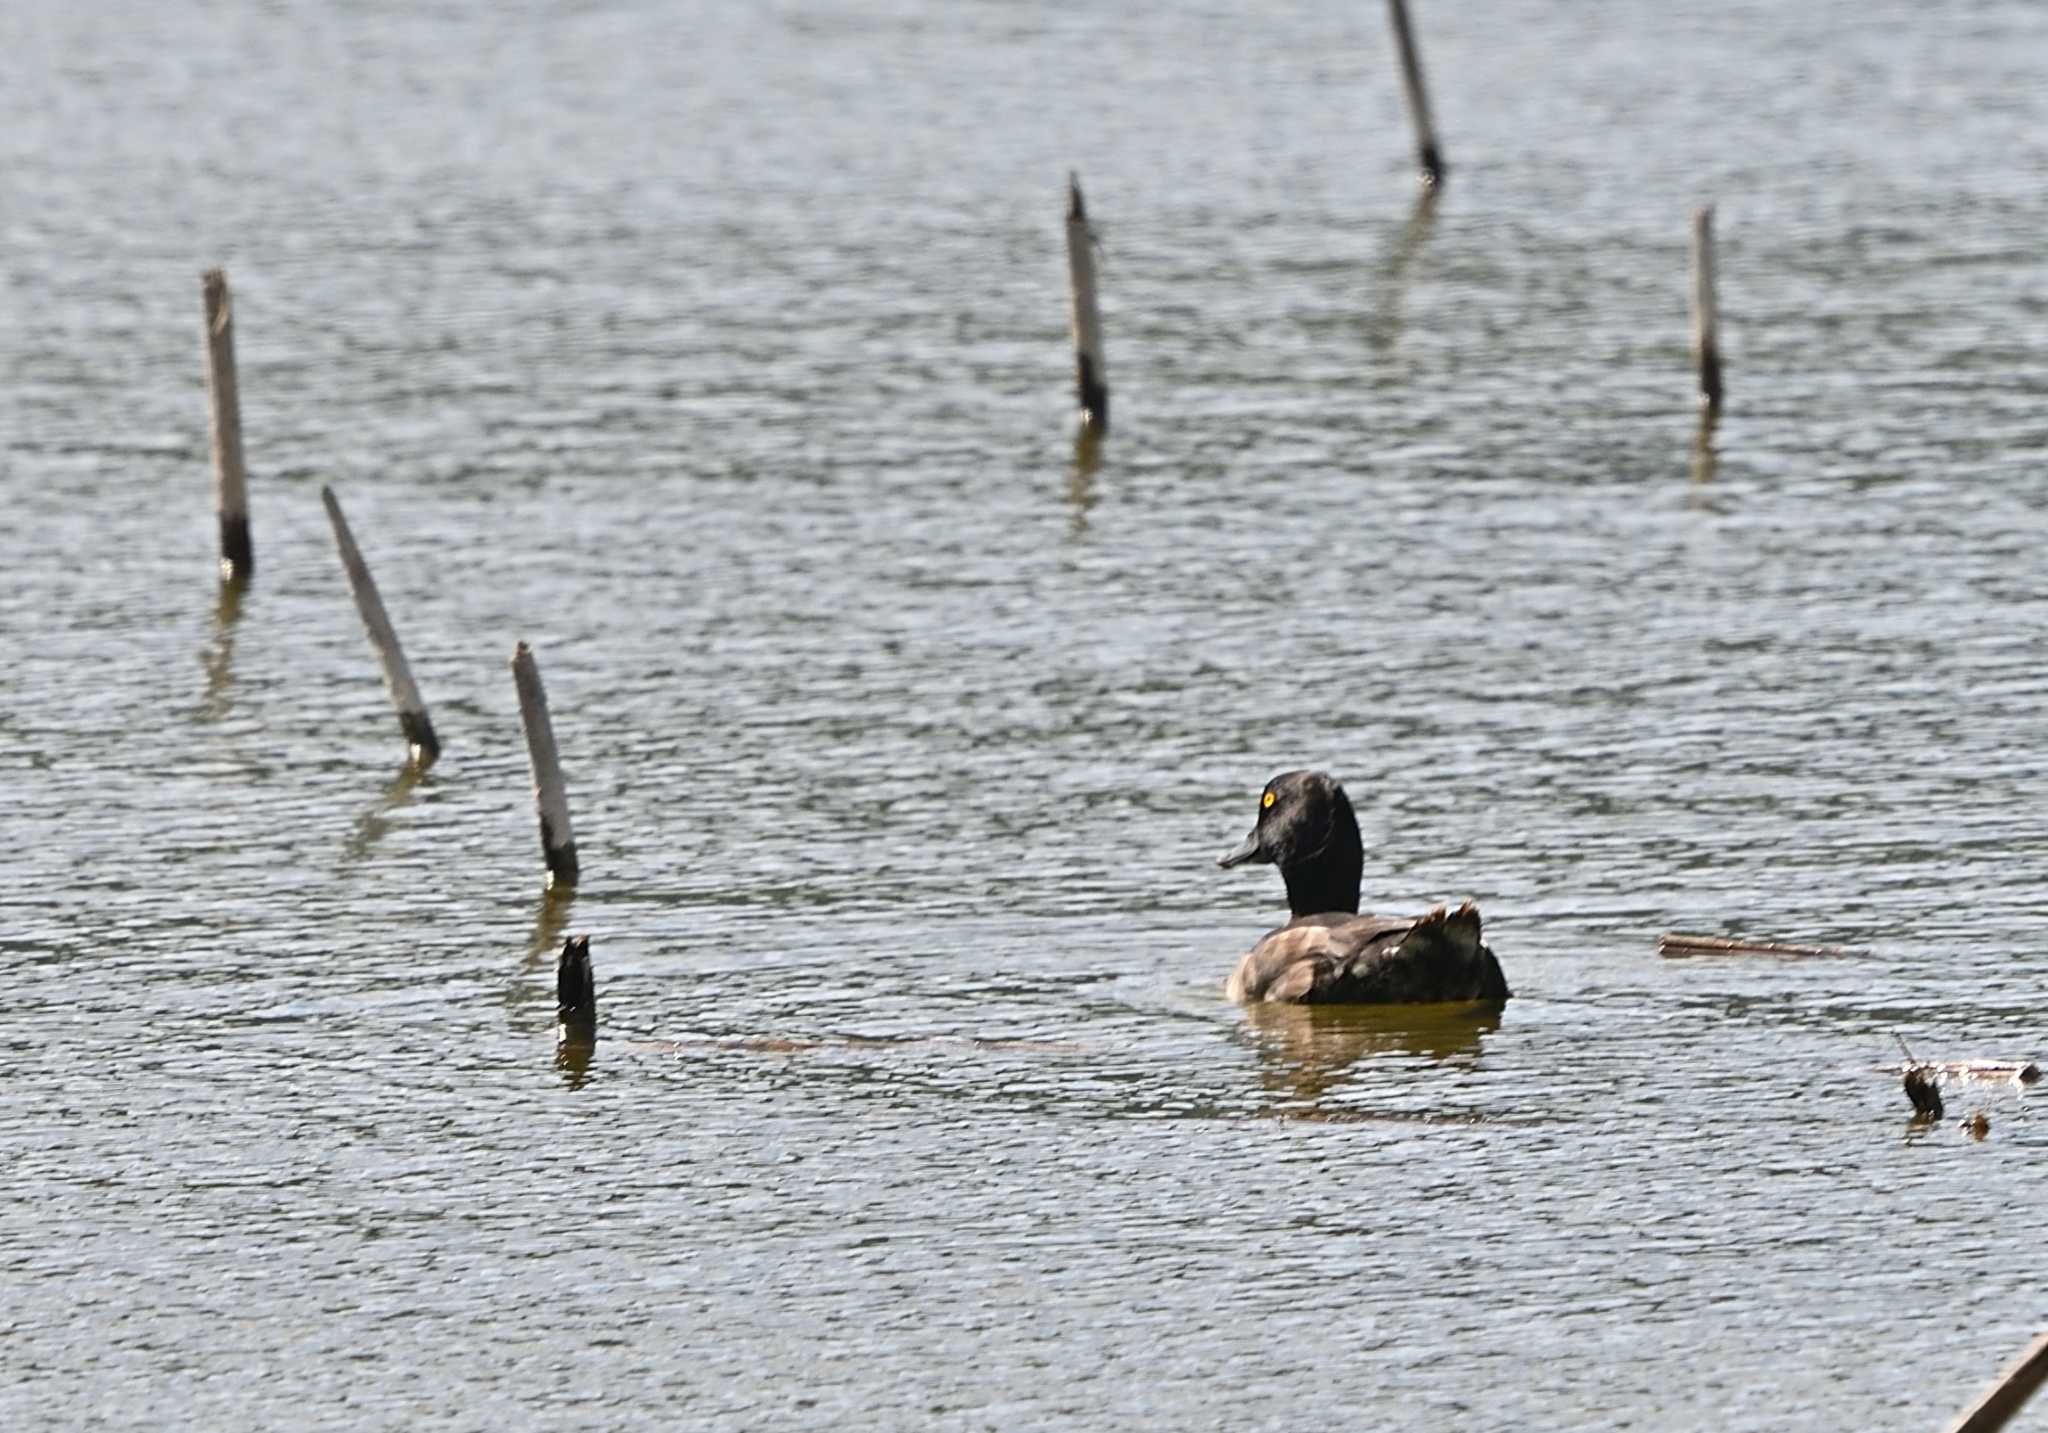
(720, 352)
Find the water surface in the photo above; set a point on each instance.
(719, 351)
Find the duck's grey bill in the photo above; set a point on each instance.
(1249, 851)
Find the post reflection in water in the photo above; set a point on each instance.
(219, 658)
(375, 818)
(1081, 496)
(1704, 458)
(1307, 1051)
(574, 1048)
(1383, 323)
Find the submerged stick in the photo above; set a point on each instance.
(1679, 946)
(405, 694)
(1999, 1402)
(224, 407)
(1091, 377)
(550, 796)
(1428, 156)
(1706, 324)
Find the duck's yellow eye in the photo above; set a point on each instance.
(1270, 799)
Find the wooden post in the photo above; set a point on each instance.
(1706, 334)
(1428, 156)
(230, 478)
(2004, 1398)
(1091, 378)
(550, 797)
(405, 694)
(575, 994)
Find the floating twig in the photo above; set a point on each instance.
(405, 693)
(2018, 1072)
(1091, 377)
(1684, 945)
(224, 409)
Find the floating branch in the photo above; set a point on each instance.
(1429, 156)
(1680, 946)
(2018, 1072)
(1706, 324)
(405, 693)
(2004, 1398)
(230, 477)
(550, 797)
(1091, 378)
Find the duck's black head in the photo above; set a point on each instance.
(575, 989)
(1306, 827)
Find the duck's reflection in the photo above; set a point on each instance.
(1306, 1051)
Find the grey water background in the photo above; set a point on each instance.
(720, 352)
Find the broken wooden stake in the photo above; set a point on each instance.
(1924, 1090)
(1706, 320)
(1429, 158)
(1091, 377)
(1679, 946)
(2004, 1398)
(405, 693)
(575, 994)
(224, 408)
(550, 796)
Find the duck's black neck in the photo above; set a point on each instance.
(1326, 879)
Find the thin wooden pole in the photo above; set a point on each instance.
(2015, 1386)
(1706, 322)
(405, 693)
(1429, 156)
(1091, 378)
(230, 477)
(550, 796)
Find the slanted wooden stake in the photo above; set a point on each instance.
(230, 478)
(1090, 377)
(1706, 324)
(405, 694)
(550, 797)
(1428, 156)
(2004, 1398)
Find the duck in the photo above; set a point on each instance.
(1330, 954)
